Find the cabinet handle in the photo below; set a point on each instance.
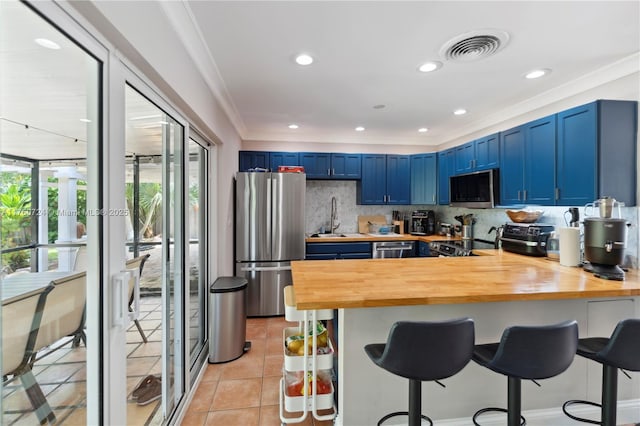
(328, 172)
(557, 194)
(524, 195)
(333, 172)
(519, 195)
(433, 198)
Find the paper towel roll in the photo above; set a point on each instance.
(570, 246)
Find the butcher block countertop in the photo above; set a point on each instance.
(496, 277)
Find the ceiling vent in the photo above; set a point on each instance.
(474, 45)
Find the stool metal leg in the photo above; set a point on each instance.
(514, 390)
(415, 402)
(609, 395)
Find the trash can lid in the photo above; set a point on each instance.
(228, 284)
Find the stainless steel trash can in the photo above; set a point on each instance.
(227, 319)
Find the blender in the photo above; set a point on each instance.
(605, 240)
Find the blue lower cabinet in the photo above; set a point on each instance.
(347, 250)
(423, 249)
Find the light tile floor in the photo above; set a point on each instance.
(245, 392)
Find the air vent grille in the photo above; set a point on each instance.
(474, 46)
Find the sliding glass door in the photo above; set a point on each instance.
(51, 223)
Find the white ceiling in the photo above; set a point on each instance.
(367, 53)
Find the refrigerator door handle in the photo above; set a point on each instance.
(269, 219)
(265, 268)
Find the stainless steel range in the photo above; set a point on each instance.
(456, 248)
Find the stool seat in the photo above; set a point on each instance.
(620, 351)
(527, 352)
(438, 350)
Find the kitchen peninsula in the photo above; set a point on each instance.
(497, 290)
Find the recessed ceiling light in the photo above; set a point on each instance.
(537, 73)
(460, 111)
(429, 66)
(423, 130)
(304, 59)
(293, 126)
(44, 42)
(85, 120)
(379, 106)
(359, 129)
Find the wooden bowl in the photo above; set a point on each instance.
(524, 216)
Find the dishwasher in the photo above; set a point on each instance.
(393, 249)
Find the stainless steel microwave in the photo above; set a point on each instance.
(475, 190)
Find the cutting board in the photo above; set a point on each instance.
(363, 222)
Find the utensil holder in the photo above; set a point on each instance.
(467, 232)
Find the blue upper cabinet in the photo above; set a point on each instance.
(346, 166)
(398, 179)
(386, 179)
(527, 158)
(319, 165)
(487, 152)
(540, 161)
(252, 159)
(596, 152)
(512, 152)
(480, 154)
(423, 179)
(446, 168)
(465, 156)
(277, 159)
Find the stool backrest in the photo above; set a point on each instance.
(422, 350)
(536, 352)
(623, 349)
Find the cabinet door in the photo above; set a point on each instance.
(252, 159)
(576, 150)
(372, 186)
(346, 166)
(316, 164)
(283, 159)
(465, 156)
(487, 152)
(398, 179)
(423, 179)
(446, 166)
(540, 163)
(512, 166)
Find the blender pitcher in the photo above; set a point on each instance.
(605, 207)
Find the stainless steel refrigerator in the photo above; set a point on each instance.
(269, 235)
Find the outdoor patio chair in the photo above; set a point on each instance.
(21, 319)
(136, 262)
(63, 315)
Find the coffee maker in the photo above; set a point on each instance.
(604, 241)
(423, 222)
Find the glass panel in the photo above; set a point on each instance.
(49, 120)
(153, 182)
(197, 209)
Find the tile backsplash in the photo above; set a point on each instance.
(318, 211)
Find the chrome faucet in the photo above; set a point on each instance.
(334, 215)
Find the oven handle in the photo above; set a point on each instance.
(526, 243)
(393, 248)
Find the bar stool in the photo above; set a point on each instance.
(620, 351)
(527, 352)
(438, 350)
